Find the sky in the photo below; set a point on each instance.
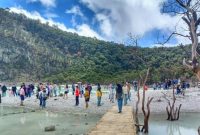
(109, 20)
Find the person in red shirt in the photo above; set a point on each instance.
(77, 93)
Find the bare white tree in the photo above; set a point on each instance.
(189, 9)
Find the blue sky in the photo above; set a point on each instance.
(109, 20)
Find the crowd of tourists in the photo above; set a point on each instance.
(120, 92)
(42, 91)
(177, 84)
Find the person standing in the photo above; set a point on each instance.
(135, 85)
(128, 90)
(66, 92)
(22, 95)
(29, 91)
(32, 89)
(40, 97)
(119, 97)
(77, 93)
(4, 89)
(55, 89)
(87, 97)
(99, 95)
(0, 93)
(111, 94)
(59, 89)
(14, 90)
(89, 87)
(81, 89)
(73, 88)
(125, 93)
(44, 98)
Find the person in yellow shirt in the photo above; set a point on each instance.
(87, 97)
(99, 95)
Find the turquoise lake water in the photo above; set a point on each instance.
(186, 125)
(20, 121)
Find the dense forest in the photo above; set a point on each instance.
(32, 51)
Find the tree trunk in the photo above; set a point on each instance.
(136, 110)
(145, 127)
(173, 114)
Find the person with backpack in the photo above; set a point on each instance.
(119, 97)
(87, 97)
(89, 87)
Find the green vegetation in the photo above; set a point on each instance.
(31, 51)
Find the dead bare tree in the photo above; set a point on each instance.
(173, 112)
(136, 108)
(189, 10)
(141, 82)
(145, 127)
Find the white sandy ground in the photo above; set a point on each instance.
(190, 102)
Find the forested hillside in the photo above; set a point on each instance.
(31, 51)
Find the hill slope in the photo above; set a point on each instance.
(31, 51)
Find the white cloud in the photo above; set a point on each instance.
(73, 21)
(83, 30)
(50, 15)
(46, 3)
(117, 18)
(106, 26)
(75, 10)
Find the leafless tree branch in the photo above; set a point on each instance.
(170, 36)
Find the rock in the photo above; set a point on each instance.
(199, 130)
(50, 128)
(159, 100)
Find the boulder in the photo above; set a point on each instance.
(50, 128)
